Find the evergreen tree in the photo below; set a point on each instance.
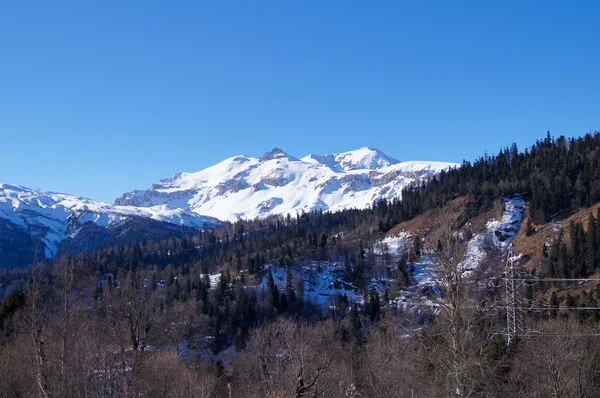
(239, 341)
(591, 239)
(13, 302)
(289, 281)
(355, 324)
(273, 290)
(554, 304)
(529, 228)
(403, 279)
(374, 305)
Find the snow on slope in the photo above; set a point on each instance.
(498, 235)
(242, 187)
(364, 158)
(321, 283)
(53, 217)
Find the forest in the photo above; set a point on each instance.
(203, 315)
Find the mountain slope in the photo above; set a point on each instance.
(243, 187)
(53, 217)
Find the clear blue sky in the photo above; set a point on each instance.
(98, 98)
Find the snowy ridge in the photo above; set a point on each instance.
(54, 217)
(243, 187)
(240, 187)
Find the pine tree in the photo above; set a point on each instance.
(222, 286)
(591, 238)
(347, 269)
(240, 340)
(360, 267)
(554, 304)
(403, 279)
(355, 323)
(374, 305)
(529, 228)
(563, 261)
(283, 303)
(289, 281)
(300, 295)
(289, 292)
(273, 290)
(10, 305)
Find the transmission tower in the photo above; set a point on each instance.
(514, 299)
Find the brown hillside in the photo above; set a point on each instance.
(462, 210)
(547, 233)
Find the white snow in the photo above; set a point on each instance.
(53, 217)
(242, 187)
(395, 244)
(322, 282)
(497, 235)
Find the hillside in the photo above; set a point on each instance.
(400, 282)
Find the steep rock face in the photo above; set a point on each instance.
(242, 187)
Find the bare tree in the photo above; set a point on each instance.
(284, 359)
(562, 361)
(388, 367)
(132, 308)
(37, 323)
(165, 374)
(455, 338)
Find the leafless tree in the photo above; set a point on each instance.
(132, 307)
(165, 374)
(562, 361)
(456, 337)
(285, 359)
(37, 323)
(389, 367)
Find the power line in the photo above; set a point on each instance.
(561, 308)
(513, 281)
(558, 279)
(514, 314)
(543, 334)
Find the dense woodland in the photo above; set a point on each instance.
(560, 176)
(142, 319)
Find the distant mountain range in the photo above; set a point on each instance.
(240, 187)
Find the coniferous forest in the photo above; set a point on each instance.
(229, 311)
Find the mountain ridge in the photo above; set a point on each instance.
(239, 187)
(53, 217)
(242, 187)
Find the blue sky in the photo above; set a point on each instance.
(99, 98)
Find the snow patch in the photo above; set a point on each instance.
(498, 234)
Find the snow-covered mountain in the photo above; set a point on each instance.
(240, 187)
(53, 217)
(243, 187)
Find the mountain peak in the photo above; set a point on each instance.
(364, 158)
(276, 153)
